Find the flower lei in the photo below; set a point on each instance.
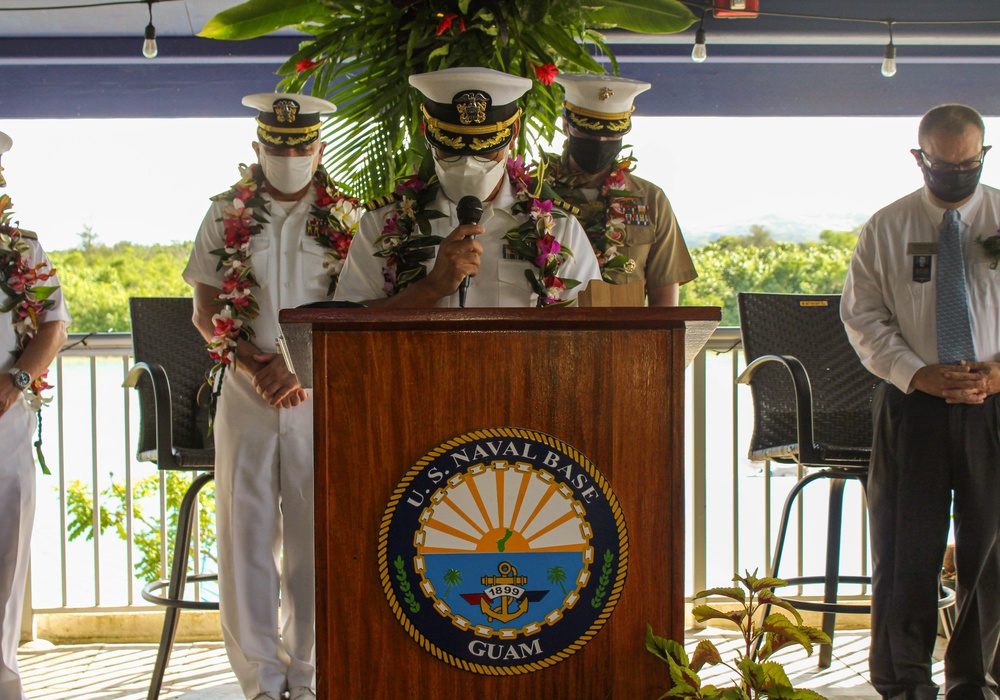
(406, 249)
(605, 221)
(27, 301)
(333, 221)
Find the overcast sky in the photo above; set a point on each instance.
(149, 180)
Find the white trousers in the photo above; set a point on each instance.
(264, 509)
(17, 513)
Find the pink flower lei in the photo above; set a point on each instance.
(333, 221)
(605, 226)
(406, 249)
(27, 302)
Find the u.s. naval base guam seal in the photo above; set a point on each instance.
(503, 551)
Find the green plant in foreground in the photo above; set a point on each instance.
(756, 676)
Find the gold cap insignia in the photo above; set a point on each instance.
(286, 111)
(604, 93)
(471, 107)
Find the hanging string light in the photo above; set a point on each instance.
(889, 62)
(149, 49)
(699, 53)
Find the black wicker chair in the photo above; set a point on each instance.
(812, 406)
(812, 401)
(171, 365)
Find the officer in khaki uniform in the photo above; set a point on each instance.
(652, 257)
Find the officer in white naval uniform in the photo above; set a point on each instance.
(264, 419)
(471, 118)
(17, 468)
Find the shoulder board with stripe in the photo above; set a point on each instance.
(379, 202)
(566, 206)
(228, 194)
(28, 234)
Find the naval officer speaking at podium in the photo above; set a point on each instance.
(524, 251)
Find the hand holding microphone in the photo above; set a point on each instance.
(469, 211)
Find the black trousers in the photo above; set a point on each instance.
(926, 453)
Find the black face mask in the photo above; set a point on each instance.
(592, 155)
(951, 185)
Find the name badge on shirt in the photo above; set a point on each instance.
(921, 248)
(922, 268)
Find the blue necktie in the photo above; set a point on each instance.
(954, 329)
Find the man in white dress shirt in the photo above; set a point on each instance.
(471, 117)
(19, 372)
(933, 333)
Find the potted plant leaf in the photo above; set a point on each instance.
(359, 55)
(755, 674)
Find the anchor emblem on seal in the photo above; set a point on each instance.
(507, 590)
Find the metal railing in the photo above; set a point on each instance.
(90, 433)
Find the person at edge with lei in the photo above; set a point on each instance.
(276, 239)
(32, 329)
(471, 117)
(629, 220)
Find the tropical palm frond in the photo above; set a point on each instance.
(360, 56)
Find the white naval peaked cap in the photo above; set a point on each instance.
(607, 94)
(442, 86)
(600, 104)
(286, 119)
(264, 102)
(5, 143)
(470, 111)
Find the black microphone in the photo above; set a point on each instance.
(469, 211)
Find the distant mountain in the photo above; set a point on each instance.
(797, 230)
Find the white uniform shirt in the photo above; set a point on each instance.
(58, 311)
(291, 267)
(499, 282)
(890, 316)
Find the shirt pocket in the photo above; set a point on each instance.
(316, 266)
(262, 261)
(636, 236)
(514, 289)
(984, 289)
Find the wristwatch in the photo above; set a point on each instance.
(22, 380)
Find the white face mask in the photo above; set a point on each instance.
(467, 175)
(288, 174)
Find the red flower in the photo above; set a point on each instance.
(546, 74)
(305, 65)
(445, 23)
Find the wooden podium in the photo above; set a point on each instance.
(390, 385)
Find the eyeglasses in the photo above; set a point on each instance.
(971, 164)
(454, 159)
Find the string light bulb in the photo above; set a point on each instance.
(699, 53)
(149, 49)
(889, 62)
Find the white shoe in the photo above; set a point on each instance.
(266, 696)
(301, 693)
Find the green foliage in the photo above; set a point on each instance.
(756, 676)
(97, 280)
(146, 528)
(361, 55)
(758, 263)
